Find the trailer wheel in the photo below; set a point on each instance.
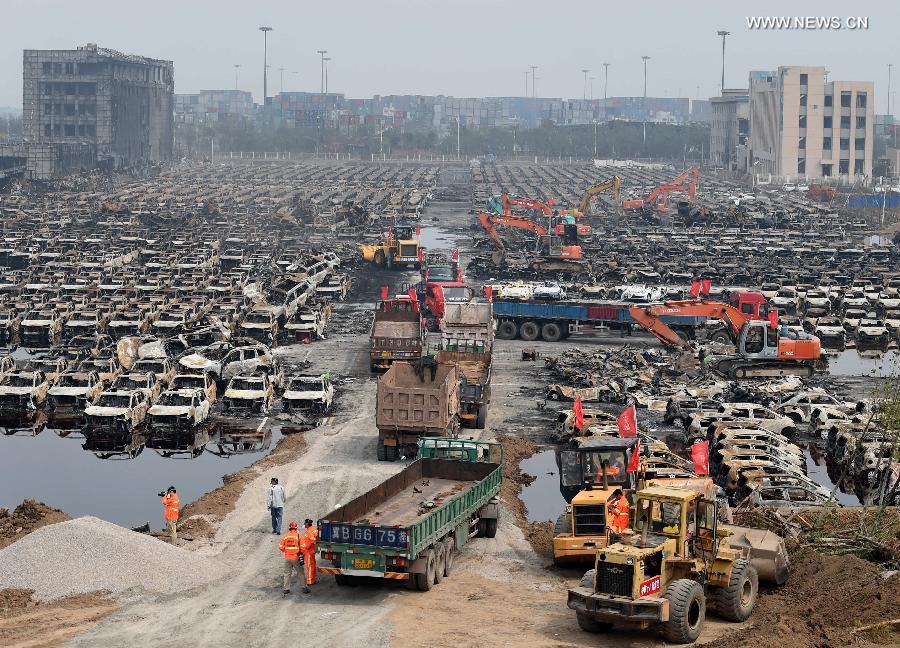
(508, 330)
(687, 610)
(481, 421)
(440, 562)
(720, 337)
(551, 332)
(391, 453)
(381, 453)
(424, 582)
(480, 528)
(529, 331)
(449, 545)
(490, 527)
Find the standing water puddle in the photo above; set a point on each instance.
(542, 496)
(853, 362)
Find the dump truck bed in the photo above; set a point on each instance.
(405, 401)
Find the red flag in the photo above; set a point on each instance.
(412, 293)
(773, 318)
(489, 293)
(418, 231)
(578, 410)
(628, 422)
(700, 457)
(456, 254)
(635, 462)
(705, 286)
(384, 293)
(550, 202)
(695, 289)
(421, 255)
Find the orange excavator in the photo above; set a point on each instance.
(505, 209)
(556, 254)
(657, 199)
(762, 350)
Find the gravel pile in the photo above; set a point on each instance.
(87, 554)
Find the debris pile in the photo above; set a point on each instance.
(605, 375)
(87, 554)
(25, 518)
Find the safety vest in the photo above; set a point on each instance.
(290, 545)
(313, 534)
(620, 509)
(170, 501)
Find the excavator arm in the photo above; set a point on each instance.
(649, 316)
(525, 202)
(521, 223)
(488, 225)
(614, 183)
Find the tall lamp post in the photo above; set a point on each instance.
(322, 54)
(723, 34)
(585, 73)
(236, 67)
(645, 59)
(326, 59)
(265, 31)
(533, 78)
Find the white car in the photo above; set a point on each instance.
(789, 186)
(785, 300)
(889, 302)
(855, 299)
(703, 421)
(519, 291)
(308, 393)
(872, 331)
(802, 187)
(549, 290)
(118, 410)
(817, 299)
(892, 321)
(181, 409)
(253, 393)
(769, 290)
(803, 405)
(830, 329)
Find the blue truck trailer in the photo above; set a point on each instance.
(553, 321)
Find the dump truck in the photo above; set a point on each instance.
(467, 327)
(674, 563)
(415, 400)
(474, 370)
(411, 526)
(397, 332)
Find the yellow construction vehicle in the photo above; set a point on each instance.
(675, 562)
(400, 247)
(614, 183)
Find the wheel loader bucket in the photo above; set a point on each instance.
(368, 252)
(766, 551)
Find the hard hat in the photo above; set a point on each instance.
(171, 488)
(308, 522)
(292, 525)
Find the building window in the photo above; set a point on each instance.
(802, 121)
(859, 167)
(826, 143)
(46, 130)
(804, 79)
(46, 68)
(829, 101)
(48, 109)
(860, 122)
(844, 167)
(860, 143)
(69, 109)
(801, 166)
(845, 100)
(826, 170)
(81, 130)
(826, 122)
(70, 130)
(845, 121)
(57, 68)
(70, 68)
(802, 99)
(802, 144)
(860, 99)
(845, 144)
(91, 130)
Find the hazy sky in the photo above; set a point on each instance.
(456, 47)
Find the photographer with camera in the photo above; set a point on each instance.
(170, 504)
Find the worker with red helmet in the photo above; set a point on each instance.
(308, 547)
(290, 546)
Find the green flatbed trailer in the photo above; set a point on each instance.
(410, 526)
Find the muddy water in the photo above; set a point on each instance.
(59, 471)
(542, 497)
(853, 362)
(819, 474)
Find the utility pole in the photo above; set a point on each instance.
(605, 78)
(723, 34)
(526, 83)
(281, 71)
(533, 78)
(457, 138)
(592, 87)
(236, 66)
(890, 66)
(584, 93)
(322, 53)
(265, 31)
(327, 58)
(595, 139)
(645, 59)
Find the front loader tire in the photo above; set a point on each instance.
(563, 524)
(687, 611)
(587, 623)
(736, 601)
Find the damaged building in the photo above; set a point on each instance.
(94, 106)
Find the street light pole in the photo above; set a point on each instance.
(645, 59)
(265, 31)
(605, 78)
(526, 83)
(236, 66)
(322, 54)
(281, 71)
(595, 139)
(592, 87)
(723, 34)
(890, 66)
(457, 138)
(584, 93)
(327, 58)
(533, 78)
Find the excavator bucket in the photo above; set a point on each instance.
(766, 552)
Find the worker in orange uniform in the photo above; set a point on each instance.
(308, 547)
(619, 508)
(170, 505)
(290, 546)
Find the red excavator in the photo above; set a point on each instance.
(657, 199)
(556, 221)
(556, 253)
(761, 349)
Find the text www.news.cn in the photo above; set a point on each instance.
(808, 23)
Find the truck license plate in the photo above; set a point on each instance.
(363, 563)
